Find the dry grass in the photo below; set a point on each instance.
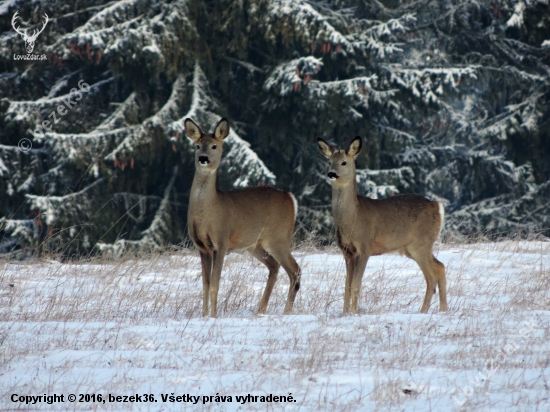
(133, 325)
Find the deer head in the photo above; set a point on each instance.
(208, 152)
(29, 40)
(341, 163)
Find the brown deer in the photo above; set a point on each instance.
(368, 227)
(259, 220)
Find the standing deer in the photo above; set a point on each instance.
(367, 227)
(259, 219)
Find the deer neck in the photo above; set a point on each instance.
(203, 192)
(345, 204)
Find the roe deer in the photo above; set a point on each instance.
(259, 219)
(367, 227)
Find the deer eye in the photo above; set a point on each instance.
(344, 163)
(214, 147)
(198, 146)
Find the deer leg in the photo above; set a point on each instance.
(350, 267)
(206, 263)
(260, 253)
(358, 272)
(217, 266)
(439, 269)
(425, 265)
(287, 261)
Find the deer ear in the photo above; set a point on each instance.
(192, 131)
(222, 129)
(326, 148)
(355, 147)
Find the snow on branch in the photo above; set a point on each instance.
(105, 25)
(503, 215)
(155, 236)
(418, 156)
(427, 84)
(52, 206)
(129, 31)
(60, 84)
(119, 118)
(404, 139)
(160, 225)
(18, 178)
(522, 75)
(525, 115)
(201, 103)
(29, 111)
(384, 183)
(101, 39)
(287, 77)
(380, 29)
(244, 164)
(360, 89)
(119, 12)
(516, 19)
(297, 74)
(159, 120)
(71, 147)
(133, 200)
(461, 174)
(4, 171)
(125, 139)
(25, 231)
(298, 20)
(240, 162)
(371, 38)
(138, 136)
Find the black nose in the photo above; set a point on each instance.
(203, 160)
(332, 175)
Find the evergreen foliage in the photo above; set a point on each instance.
(452, 98)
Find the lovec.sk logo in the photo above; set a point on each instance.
(29, 39)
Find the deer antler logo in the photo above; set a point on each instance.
(29, 40)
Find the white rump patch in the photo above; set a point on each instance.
(295, 205)
(442, 216)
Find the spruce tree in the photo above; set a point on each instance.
(451, 99)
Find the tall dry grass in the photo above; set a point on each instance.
(133, 324)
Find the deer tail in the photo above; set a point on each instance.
(441, 216)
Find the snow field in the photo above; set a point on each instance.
(133, 326)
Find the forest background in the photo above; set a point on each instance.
(451, 98)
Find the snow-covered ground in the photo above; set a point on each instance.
(133, 327)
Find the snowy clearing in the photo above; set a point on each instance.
(133, 327)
